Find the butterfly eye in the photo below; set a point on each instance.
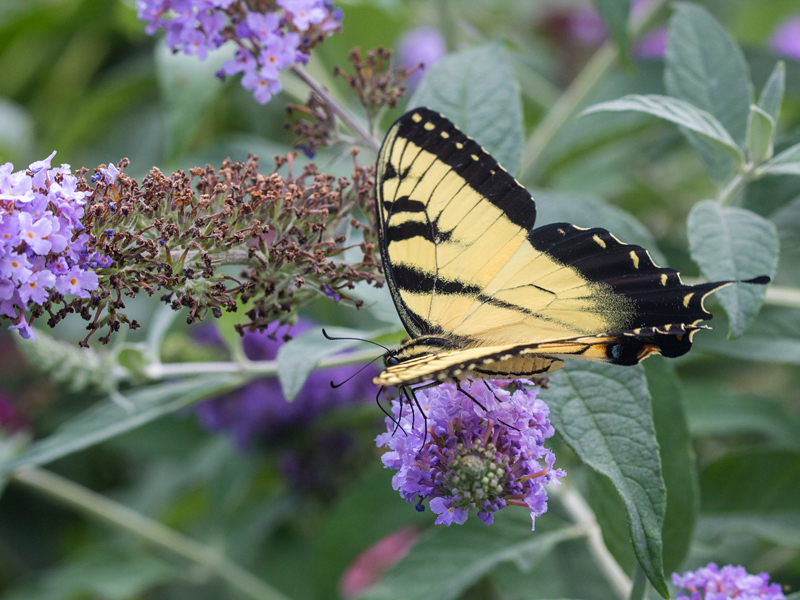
(391, 361)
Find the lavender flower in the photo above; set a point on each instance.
(260, 409)
(470, 458)
(41, 248)
(423, 45)
(267, 41)
(785, 40)
(713, 583)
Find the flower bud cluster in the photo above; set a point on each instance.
(44, 251)
(269, 36)
(172, 234)
(481, 451)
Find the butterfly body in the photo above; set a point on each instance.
(485, 294)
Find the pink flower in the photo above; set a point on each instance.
(370, 566)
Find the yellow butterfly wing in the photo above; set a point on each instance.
(464, 262)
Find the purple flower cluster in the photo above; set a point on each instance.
(470, 458)
(42, 247)
(267, 41)
(260, 409)
(712, 583)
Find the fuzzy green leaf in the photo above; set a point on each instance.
(676, 111)
(785, 163)
(760, 135)
(468, 87)
(706, 68)
(771, 96)
(731, 243)
(603, 413)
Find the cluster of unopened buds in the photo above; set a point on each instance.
(271, 37)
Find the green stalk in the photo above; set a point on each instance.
(640, 584)
(574, 95)
(100, 508)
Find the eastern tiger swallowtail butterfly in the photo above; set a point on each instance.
(485, 295)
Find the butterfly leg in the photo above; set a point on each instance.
(471, 397)
(384, 411)
(409, 393)
(488, 387)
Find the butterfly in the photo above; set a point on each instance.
(483, 294)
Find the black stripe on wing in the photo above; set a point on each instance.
(434, 133)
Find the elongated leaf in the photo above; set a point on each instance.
(771, 96)
(11, 446)
(586, 210)
(107, 419)
(781, 528)
(298, 357)
(472, 551)
(676, 111)
(677, 460)
(468, 87)
(773, 476)
(706, 68)
(731, 243)
(603, 412)
(760, 135)
(785, 163)
(774, 338)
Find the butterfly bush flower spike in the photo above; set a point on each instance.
(43, 251)
(269, 38)
(471, 458)
(729, 582)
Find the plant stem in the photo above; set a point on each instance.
(253, 368)
(345, 115)
(100, 508)
(580, 512)
(577, 91)
(736, 185)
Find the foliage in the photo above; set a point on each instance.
(692, 152)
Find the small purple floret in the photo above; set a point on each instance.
(470, 458)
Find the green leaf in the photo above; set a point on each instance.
(774, 338)
(586, 210)
(760, 135)
(677, 460)
(717, 412)
(706, 68)
(298, 357)
(675, 111)
(781, 528)
(785, 163)
(105, 572)
(615, 16)
(609, 510)
(731, 243)
(468, 87)
(107, 419)
(472, 551)
(772, 95)
(772, 478)
(11, 446)
(603, 413)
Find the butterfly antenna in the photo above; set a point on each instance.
(355, 339)
(338, 385)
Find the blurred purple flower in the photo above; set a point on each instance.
(652, 45)
(470, 458)
(267, 41)
(423, 45)
(712, 583)
(259, 408)
(785, 40)
(586, 26)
